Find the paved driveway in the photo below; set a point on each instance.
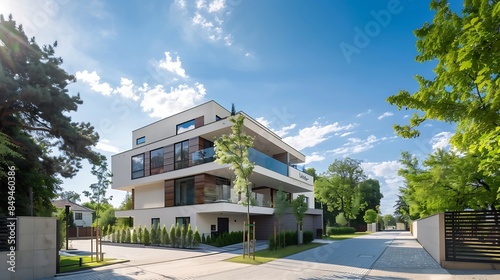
(383, 255)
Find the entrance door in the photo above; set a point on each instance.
(222, 225)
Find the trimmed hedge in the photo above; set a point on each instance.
(340, 230)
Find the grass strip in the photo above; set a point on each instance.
(68, 264)
(345, 236)
(267, 255)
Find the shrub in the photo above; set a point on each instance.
(134, 236)
(209, 241)
(118, 235)
(139, 234)
(183, 236)
(124, 235)
(189, 236)
(178, 236)
(128, 238)
(196, 238)
(153, 235)
(108, 230)
(203, 240)
(164, 236)
(341, 230)
(308, 236)
(171, 234)
(145, 237)
(271, 244)
(113, 235)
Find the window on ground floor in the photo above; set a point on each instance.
(182, 221)
(78, 216)
(155, 222)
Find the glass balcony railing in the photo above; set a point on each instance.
(261, 159)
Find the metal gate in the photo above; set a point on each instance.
(472, 236)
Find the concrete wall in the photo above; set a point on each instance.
(149, 196)
(430, 234)
(36, 255)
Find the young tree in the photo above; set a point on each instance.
(97, 193)
(299, 211)
(340, 219)
(464, 87)
(37, 135)
(233, 149)
(281, 204)
(389, 220)
(338, 188)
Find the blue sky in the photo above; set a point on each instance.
(316, 72)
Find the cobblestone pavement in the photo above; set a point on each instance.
(383, 255)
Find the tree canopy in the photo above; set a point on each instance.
(338, 187)
(37, 135)
(465, 88)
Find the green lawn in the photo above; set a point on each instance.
(267, 255)
(345, 236)
(71, 263)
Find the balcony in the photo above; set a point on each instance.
(261, 159)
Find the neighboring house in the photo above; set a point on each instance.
(172, 177)
(82, 215)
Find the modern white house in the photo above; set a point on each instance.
(81, 215)
(172, 177)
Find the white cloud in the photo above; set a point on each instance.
(160, 104)
(280, 132)
(314, 157)
(364, 113)
(386, 173)
(346, 133)
(357, 145)
(126, 89)
(385, 115)
(93, 80)
(104, 145)
(441, 140)
(172, 66)
(216, 6)
(312, 136)
(406, 116)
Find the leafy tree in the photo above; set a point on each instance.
(97, 193)
(233, 149)
(389, 220)
(338, 188)
(126, 203)
(37, 135)
(340, 219)
(70, 195)
(370, 216)
(370, 194)
(61, 216)
(464, 88)
(281, 204)
(299, 206)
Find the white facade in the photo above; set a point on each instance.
(85, 221)
(172, 176)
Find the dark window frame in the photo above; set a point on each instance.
(138, 170)
(184, 155)
(140, 140)
(185, 221)
(78, 216)
(153, 163)
(186, 126)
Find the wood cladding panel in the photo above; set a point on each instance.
(147, 162)
(169, 193)
(199, 121)
(133, 196)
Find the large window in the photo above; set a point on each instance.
(155, 223)
(186, 126)
(184, 191)
(156, 157)
(181, 221)
(181, 156)
(138, 166)
(223, 189)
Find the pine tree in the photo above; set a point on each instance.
(196, 239)
(173, 240)
(145, 237)
(189, 242)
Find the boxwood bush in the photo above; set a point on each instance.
(341, 230)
